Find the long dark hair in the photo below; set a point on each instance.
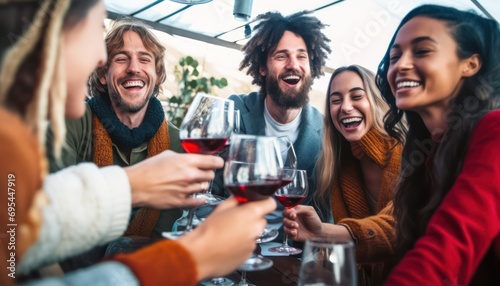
(429, 170)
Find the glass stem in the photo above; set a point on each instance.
(285, 238)
(243, 278)
(209, 191)
(189, 225)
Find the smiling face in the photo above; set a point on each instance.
(288, 73)
(83, 49)
(425, 71)
(349, 106)
(131, 76)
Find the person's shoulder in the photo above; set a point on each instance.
(17, 140)
(492, 116)
(490, 121)
(488, 128)
(244, 96)
(12, 128)
(85, 120)
(314, 112)
(245, 101)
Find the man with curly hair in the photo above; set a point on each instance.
(284, 55)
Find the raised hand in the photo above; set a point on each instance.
(302, 223)
(227, 237)
(167, 179)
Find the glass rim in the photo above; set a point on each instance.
(326, 241)
(214, 97)
(250, 136)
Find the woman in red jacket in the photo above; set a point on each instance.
(442, 72)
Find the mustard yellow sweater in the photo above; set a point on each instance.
(373, 234)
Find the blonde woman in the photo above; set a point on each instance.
(48, 50)
(357, 170)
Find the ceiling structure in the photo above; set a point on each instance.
(359, 29)
(213, 22)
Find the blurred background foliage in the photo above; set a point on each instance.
(190, 82)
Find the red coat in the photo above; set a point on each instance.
(461, 245)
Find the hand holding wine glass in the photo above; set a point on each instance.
(205, 130)
(290, 196)
(253, 172)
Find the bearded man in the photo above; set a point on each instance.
(283, 56)
(124, 124)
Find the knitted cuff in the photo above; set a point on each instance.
(165, 262)
(120, 201)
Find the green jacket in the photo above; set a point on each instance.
(79, 148)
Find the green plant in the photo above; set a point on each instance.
(190, 83)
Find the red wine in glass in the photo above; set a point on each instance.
(208, 146)
(290, 201)
(285, 181)
(253, 191)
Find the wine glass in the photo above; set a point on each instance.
(205, 130)
(223, 281)
(290, 196)
(288, 173)
(253, 172)
(327, 261)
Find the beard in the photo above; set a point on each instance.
(125, 107)
(288, 99)
(128, 108)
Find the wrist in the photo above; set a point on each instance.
(192, 245)
(339, 231)
(133, 175)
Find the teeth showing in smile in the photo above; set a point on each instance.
(291, 79)
(408, 84)
(133, 83)
(351, 120)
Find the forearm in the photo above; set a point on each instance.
(339, 232)
(108, 273)
(88, 207)
(374, 237)
(164, 261)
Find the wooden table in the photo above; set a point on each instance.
(285, 271)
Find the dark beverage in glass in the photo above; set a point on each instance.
(253, 191)
(285, 181)
(290, 201)
(207, 146)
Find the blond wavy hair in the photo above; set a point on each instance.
(334, 144)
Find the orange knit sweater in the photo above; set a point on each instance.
(166, 262)
(146, 218)
(373, 234)
(21, 165)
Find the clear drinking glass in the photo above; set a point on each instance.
(290, 196)
(205, 129)
(253, 172)
(328, 261)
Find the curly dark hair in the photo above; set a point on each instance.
(269, 31)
